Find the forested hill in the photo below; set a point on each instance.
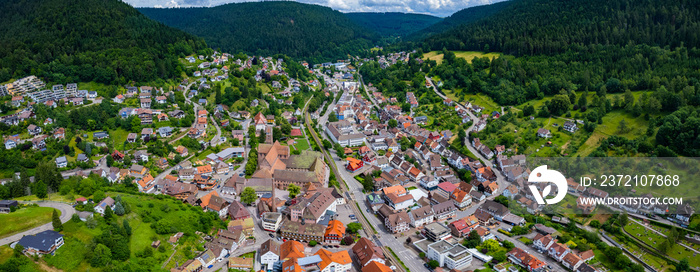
(462, 17)
(394, 24)
(313, 32)
(106, 41)
(552, 26)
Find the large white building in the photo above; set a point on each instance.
(269, 253)
(451, 256)
(341, 132)
(24, 85)
(271, 221)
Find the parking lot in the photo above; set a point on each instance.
(345, 214)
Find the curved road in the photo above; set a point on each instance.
(66, 210)
(501, 181)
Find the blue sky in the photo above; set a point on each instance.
(440, 8)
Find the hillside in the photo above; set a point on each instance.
(267, 28)
(552, 26)
(462, 17)
(393, 24)
(85, 40)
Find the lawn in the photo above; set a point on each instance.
(525, 240)
(5, 253)
(142, 235)
(612, 120)
(467, 55)
(24, 219)
(265, 88)
(591, 144)
(52, 197)
(567, 206)
(248, 255)
(204, 154)
(301, 144)
(118, 136)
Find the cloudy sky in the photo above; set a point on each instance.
(440, 8)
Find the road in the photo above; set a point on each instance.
(383, 238)
(500, 179)
(66, 210)
(101, 165)
(371, 97)
(409, 258)
(551, 262)
(167, 171)
(217, 139)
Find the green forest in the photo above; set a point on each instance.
(106, 41)
(393, 24)
(529, 27)
(311, 32)
(565, 49)
(459, 18)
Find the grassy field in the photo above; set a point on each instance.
(525, 240)
(5, 253)
(301, 144)
(52, 196)
(467, 55)
(481, 100)
(24, 219)
(265, 88)
(145, 212)
(118, 136)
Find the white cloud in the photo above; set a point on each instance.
(434, 7)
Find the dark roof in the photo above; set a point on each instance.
(8, 203)
(42, 241)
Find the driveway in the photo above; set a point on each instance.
(66, 210)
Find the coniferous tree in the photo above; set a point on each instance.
(56, 221)
(108, 214)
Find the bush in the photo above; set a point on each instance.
(505, 232)
(313, 243)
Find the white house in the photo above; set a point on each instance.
(102, 206)
(61, 162)
(269, 253)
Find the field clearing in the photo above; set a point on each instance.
(52, 197)
(118, 136)
(265, 88)
(481, 100)
(437, 56)
(638, 125)
(24, 219)
(601, 217)
(141, 237)
(591, 144)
